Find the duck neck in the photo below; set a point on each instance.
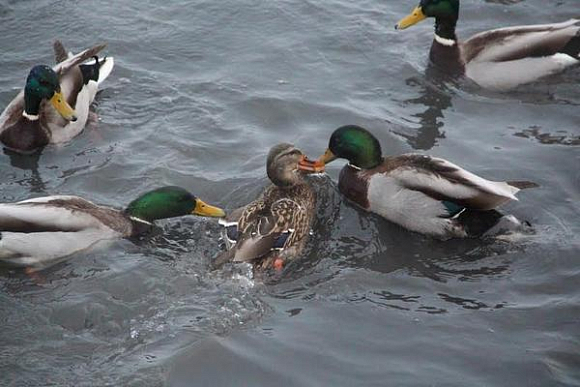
(445, 52)
(445, 31)
(31, 105)
(366, 160)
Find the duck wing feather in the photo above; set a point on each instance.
(508, 57)
(60, 213)
(445, 181)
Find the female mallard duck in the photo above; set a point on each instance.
(502, 58)
(30, 122)
(421, 193)
(275, 227)
(40, 231)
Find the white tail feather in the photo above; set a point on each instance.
(105, 69)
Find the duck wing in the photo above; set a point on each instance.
(66, 65)
(268, 230)
(508, 57)
(447, 182)
(262, 229)
(60, 54)
(39, 231)
(512, 43)
(59, 213)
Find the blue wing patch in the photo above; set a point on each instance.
(453, 209)
(232, 233)
(281, 240)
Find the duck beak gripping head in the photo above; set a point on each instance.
(306, 165)
(327, 157)
(204, 209)
(413, 18)
(62, 107)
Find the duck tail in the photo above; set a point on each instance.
(572, 48)
(97, 71)
(106, 65)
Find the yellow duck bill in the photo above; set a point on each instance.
(62, 107)
(204, 209)
(413, 18)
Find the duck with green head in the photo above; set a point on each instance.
(420, 193)
(40, 231)
(54, 105)
(501, 58)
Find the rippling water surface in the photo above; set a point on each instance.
(200, 92)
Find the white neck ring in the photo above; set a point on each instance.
(31, 117)
(444, 41)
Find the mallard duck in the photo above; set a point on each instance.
(54, 105)
(502, 58)
(40, 231)
(420, 193)
(275, 227)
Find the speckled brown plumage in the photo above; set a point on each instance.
(286, 209)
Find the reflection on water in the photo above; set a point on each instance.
(436, 100)
(28, 163)
(535, 132)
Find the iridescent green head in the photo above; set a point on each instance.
(447, 10)
(169, 202)
(43, 83)
(355, 144)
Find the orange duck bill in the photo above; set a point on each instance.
(309, 166)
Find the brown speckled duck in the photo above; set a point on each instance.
(275, 227)
(54, 105)
(502, 58)
(40, 231)
(421, 193)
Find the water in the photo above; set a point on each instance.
(200, 92)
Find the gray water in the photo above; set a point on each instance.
(201, 90)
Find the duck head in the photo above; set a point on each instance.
(287, 165)
(441, 10)
(355, 144)
(170, 202)
(42, 84)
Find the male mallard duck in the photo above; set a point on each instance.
(275, 227)
(29, 122)
(421, 193)
(502, 58)
(38, 232)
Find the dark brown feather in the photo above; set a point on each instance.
(522, 184)
(60, 54)
(354, 185)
